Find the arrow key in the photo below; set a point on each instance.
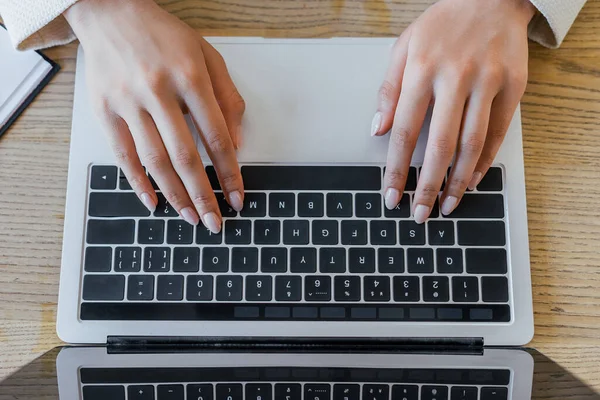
(104, 177)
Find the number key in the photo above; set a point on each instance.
(288, 288)
(288, 391)
(406, 289)
(231, 391)
(436, 289)
(347, 288)
(434, 392)
(199, 288)
(259, 288)
(259, 391)
(346, 392)
(317, 288)
(377, 288)
(200, 392)
(229, 288)
(317, 392)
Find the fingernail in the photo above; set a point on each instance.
(147, 200)
(475, 180)
(421, 213)
(392, 198)
(376, 124)
(236, 201)
(190, 216)
(449, 205)
(212, 222)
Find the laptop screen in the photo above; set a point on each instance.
(73, 375)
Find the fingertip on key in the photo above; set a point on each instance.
(421, 213)
(392, 198)
(212, 222)
(236, 201)
(189, 215)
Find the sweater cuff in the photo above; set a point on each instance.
(36, 24)
(554, 19)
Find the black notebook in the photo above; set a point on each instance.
(22, 76)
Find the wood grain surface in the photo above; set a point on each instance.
(561, 121)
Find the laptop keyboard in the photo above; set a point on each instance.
(312, 243)
(302, 383)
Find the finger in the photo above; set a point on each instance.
(408, 120)
(441, 144)
(209, 120)
(472, 139)
(186, 161)
(156, 159)
(501, 115)
(389, 92)
(231, 102)
(124, 149)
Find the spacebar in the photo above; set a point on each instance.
(332, 177)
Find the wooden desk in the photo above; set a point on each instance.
(561, 118)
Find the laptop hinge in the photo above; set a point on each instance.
(169, 344)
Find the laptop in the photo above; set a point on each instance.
(313, 256)
(95, 373)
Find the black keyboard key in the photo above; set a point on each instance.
(205, 236)
(494, 289)
(361, 260)
(390, 260)
(377, 288)
(98, 259)
(406, 289)
(419, 260)
(186, 259)
(375, 392)
(169, 288)
(463, 393)
(317, 288)
(199, 288)
(303, 259)
(267, 232)
(288, 288)
(282, 205)
(151, 231)
(305, 312)
(332, 260)
(179, 232)
(164, 208)
(288, 391)
(229, 288)
(481, 233)
(411, 233)
(492, 181)
(317, 392)
(157, 259)
(229, 391)
(383, 233)
(494, 393)
(238, 231)
(115, 204)
(434, 392)
(259, 288)
(441, 233)
(215, 259)
(327, 177)
(104, 287)
(479, 206)
(140, 287)
(339, 205)
(347, 288)
(436, 289)
(128, 259)
(213, 178)
(103, 231)
(255, 205)
(104, 177)
(123, 182)
(202, 391)
(170, 392)
(449, 261)
(273, 259)
(405, 392)
(354, 233)
(226, 209)
(311, 205)
(153, 182)
(259, 391)
(346, 392)
(103, 392)
(486, 261)
(367, 205)
(244, 259)
(402, 210)
(325, 232)
(435, 210)
(140, 392)
(295, 232)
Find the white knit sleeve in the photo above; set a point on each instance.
(35, 24)
(553, 21)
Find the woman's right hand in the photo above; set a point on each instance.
(145, 68)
